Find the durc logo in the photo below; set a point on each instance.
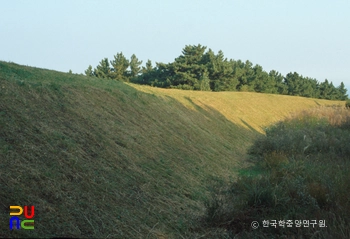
(19, 211)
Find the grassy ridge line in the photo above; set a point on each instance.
(101, 158)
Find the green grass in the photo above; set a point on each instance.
(102, 158)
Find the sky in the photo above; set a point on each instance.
(311, 37)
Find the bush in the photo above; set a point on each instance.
(347, 104)
(304, 165)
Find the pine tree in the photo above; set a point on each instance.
(239, 73)
(293, 82)
(310, 87)
(279, 82)
(325, 90)
(262, 82)
(342, 92)
(103, 69)
(148, 67)
(120, 65)
(221, 72)
(89, 71)
(334, 95)
(135, 68)
(187, 69)
(147, 75)
(249, 75)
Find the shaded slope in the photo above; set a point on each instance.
(101, 158)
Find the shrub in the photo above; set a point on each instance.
(275, 159)
(347, 104)
(303, 166)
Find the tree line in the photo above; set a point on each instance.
(200, 69)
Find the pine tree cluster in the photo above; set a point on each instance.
(198, 69)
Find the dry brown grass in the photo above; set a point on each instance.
(336, 115)
(246, 109)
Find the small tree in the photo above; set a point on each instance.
(89, 71)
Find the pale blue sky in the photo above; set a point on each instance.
(311, 37)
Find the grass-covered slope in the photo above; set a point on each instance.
(101, 158)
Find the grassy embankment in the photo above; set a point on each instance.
(101, 158)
